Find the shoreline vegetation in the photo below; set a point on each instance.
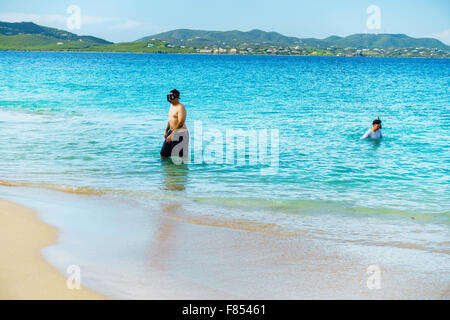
(27, 36)
(24, 273)
(237, 54)
(311, 52)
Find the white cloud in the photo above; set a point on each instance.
(55, 18)
(36, 18)
(444, 36)
(127, 24)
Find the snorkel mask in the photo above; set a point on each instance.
(171, 97)
(377, 121)
(174, 94)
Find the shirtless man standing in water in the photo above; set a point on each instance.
(176, 135)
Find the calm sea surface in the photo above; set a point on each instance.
(96, 121)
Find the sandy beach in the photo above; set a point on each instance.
(24, 274)
(166, 253)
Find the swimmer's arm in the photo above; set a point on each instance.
(366, 134)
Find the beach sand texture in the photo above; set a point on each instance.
(24, 274)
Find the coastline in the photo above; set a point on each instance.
(211, 54)
(24, 274)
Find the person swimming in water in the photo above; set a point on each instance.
(375, 131)
(176, 135)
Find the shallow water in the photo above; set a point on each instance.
(94, 122)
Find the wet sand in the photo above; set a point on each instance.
(254, 261)
(162, 252)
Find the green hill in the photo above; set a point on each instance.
(30, 36)
(152, 46)
(41, 42)
(388, 41)
(34, 42)
(200, 38)
(30, 28)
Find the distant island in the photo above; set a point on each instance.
(28, 36)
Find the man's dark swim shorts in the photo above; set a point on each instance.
(167, 147)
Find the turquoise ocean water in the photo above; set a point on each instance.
(95, 121)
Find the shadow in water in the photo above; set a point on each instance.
(376, 143)
(175, 176)
(175, 179)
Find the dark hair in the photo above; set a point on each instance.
(376, 121)
(176, 93)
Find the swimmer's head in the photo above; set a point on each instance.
(173, 96)
(376, 124)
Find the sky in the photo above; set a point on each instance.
(120, 21)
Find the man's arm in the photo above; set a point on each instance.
(167, 129)
(366, 134)
(181, 118)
